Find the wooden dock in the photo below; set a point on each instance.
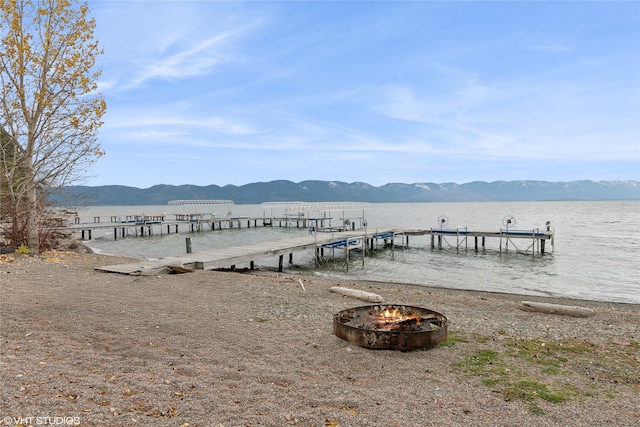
(148, 225)
(462, 236)
(230, 257)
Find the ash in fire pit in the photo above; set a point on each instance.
(397, 327)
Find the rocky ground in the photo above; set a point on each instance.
(257, 349)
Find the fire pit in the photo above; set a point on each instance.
(391, 327)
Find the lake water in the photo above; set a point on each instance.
(596, 255)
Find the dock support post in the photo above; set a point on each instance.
(251, 265)
(280, 258)
(475, 241)
(188, 242)
(290, 258)
(432, 241)
(346, 248)
(393, 246)
(542, 242)
(115, 234)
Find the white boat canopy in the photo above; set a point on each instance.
(290, 207)
(200, 202)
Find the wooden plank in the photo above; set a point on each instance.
(225, 257)
(355, 293)
(547, 308)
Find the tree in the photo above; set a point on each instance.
(50, 110)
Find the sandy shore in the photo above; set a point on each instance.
(257, 349)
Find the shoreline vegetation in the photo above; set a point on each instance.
(256, 348)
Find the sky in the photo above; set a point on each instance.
(233, 92)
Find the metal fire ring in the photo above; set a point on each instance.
(371, 327)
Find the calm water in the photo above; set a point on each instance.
(596, 254)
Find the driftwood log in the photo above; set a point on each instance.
(567, 310)
(365, 296)
(178, 269)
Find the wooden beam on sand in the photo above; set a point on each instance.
(365, 296)
(178, 269)
(567, 310)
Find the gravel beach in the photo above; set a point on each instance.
(256, 348)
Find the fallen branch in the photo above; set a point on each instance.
(567, 310)
(178, 269)
(366, 296)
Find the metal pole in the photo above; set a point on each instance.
(393, 245)
(346, 246)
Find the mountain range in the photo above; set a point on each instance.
(333, 191)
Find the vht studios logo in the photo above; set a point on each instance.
(42, 421)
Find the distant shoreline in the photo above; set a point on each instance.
(331, 191)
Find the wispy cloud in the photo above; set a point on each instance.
(194, 60)
(160, 127)
(384, 90)
(175, 40)
(554, 47)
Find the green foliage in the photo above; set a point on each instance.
(553, 371)
(452, 339)
(50, 110)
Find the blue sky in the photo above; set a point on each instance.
(214, 92)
